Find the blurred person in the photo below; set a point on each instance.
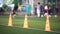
(49, 10)
(35, 9)
(56, 8)
(28, 8)
(1, 4)
(11, 7)
(15, 10)
(38, 9)
(42, 10)
(19, 6)
(1, 7)
(46, 10)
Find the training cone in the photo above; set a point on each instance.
(47, 27)
(10, 20)
(25, 22)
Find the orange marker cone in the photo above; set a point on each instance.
(47, 27)
(25, 22)
(10, 20)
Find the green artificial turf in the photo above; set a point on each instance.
(18, 30)
(37, 23)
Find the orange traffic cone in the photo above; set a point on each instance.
(47, 27)
(25, 22)
(10, 20)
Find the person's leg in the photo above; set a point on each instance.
(46, 13)
(14, 13)
(38, 13)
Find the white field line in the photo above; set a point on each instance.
(33, 29)
(23, 20)
(44, 30)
